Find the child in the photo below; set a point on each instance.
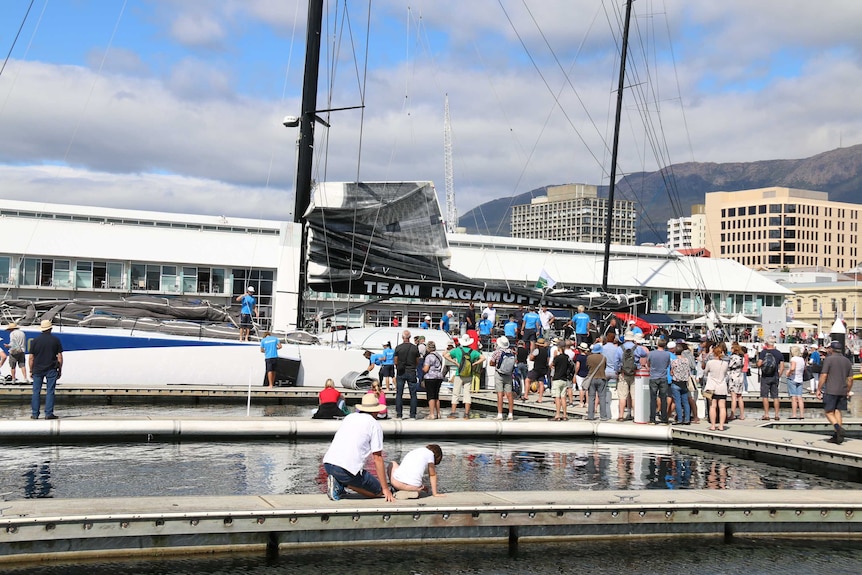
(407, 477)
(378, 392)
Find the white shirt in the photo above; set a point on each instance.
(491, 312)
(413, 466)
(547, 318)
(359, 436)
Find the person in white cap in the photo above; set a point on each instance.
(425, 323)
(359, 436)
(17, 344)
(249, 307)
(504, 360)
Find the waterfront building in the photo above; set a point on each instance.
(820, 296)
(782, 228)
(688, 232)
(54, 251)
(574, 212)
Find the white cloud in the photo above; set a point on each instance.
(510, 135)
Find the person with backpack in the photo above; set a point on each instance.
(680, 372)
(433, 379)
(503, 359)
(560, 370)
(771, 364)
(632, 355)
(468, 360)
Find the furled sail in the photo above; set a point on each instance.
(389, 239)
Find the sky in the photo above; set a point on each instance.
(177, 105)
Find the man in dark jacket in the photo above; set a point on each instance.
(46, 364)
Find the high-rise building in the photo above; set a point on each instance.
(776, 228)
(574, 212)
(689, 231)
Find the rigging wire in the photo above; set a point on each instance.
(15, 39)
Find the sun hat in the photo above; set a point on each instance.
(370, 404)
(584, 346)
(250, 289)
(11, 326)
(629, 336)
(597, 348)
(639, 338)
(671, 345)
(466, 341)
(46, 325)
(541, 342)
(503, 342)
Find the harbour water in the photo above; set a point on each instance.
(632, 557)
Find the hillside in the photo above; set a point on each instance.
(838, 172)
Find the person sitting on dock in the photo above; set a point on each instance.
(836, 381)
(331, 403)
(359, 436)
(407, 478)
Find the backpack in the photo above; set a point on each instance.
(506, 365)
(570, 370)
(769, 364)
(465, 368)
(629, 365)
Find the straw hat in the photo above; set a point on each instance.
(46, 325)
(541, 342)
(11, 326)
(584, 346)
(370, 404)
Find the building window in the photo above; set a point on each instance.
(774, 208)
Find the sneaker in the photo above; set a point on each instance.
(52, 416)
(452, 416)
(511, 417)
(332, 488)
(499, 416)
(34, 417)
(839, 436)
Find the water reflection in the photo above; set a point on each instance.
(37, 481)
(263, 467)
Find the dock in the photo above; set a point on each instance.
(49, 529)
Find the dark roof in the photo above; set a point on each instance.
(659, 318)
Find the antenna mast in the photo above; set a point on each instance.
(451, 210)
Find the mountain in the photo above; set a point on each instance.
(838, 172)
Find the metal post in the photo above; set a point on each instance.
(616, 144)
(306, 145)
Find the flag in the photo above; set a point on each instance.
(545, 281)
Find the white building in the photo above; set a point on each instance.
(53, 251)
(687, 232)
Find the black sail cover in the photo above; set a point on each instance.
(389, 239)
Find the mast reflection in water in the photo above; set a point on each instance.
(255, 468)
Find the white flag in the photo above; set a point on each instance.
(545, 281)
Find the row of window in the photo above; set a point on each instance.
(805, 209)
(817, 306)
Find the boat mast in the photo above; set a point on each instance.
(305, 144)
(611, 189)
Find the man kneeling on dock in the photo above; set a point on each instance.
(359, 436)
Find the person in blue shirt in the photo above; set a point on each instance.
(510, 329)
(581, 321)
(485, 326)
(425, 323)
(269, 347)
(249, 307)
(444, 321)
(531, 327)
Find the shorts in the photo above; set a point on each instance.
(769, 389)
(16, 358)
(245, 320)
(534, 375)
(432, 388)
(529, 335)
(271, 363)
(363, 480)
(502, 382)
(834, 402)
(624, 386)
(558, 388)
(794, 388)
(581, 382)
(387, 371)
